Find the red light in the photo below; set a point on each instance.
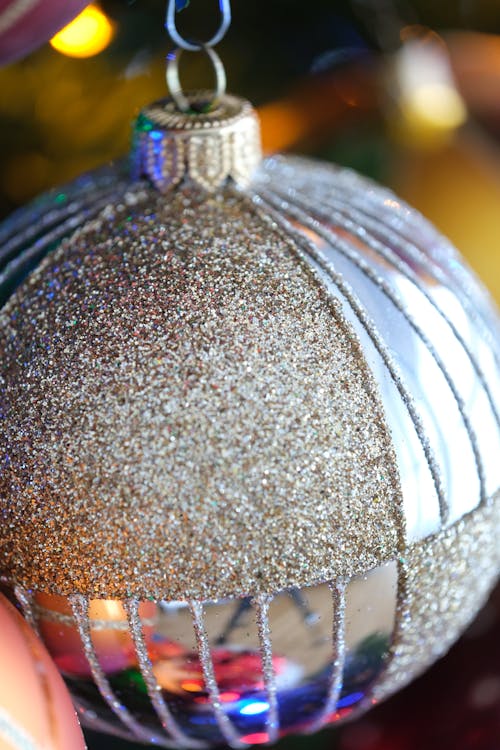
(229, 697)
(341, 713)
(258, 738)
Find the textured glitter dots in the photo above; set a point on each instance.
(444, 582)
(187, 413)
(275, 410)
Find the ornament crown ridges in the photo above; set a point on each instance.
(204, 147)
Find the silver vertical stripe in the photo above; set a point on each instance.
(228, 731)
(80, 607)
(262, 603)
(300, 245)
(361, 225)
(337, 589)
(377, 203)
(25, 599)
(401, 623)
(355, 257)
(168, 722)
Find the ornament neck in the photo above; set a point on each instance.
(207, 148)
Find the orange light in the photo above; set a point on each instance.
(283, 124)
(191, 687)
(87, 35)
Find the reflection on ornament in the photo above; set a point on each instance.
(250, 436)
(35, 708)
(109, 626)
(87, 35)
(237, 672)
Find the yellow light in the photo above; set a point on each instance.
(87, 35)
(430, 107)
(437, 105)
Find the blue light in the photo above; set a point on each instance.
(254, 707)
(348, 700)
(156, 135)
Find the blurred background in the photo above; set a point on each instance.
(405, 92)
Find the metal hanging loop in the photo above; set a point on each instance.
(225, 12)
(173, 81)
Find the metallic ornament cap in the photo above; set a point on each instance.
(204, 147)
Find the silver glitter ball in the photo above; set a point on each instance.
(250, 428)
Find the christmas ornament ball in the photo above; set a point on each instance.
(250, 436)
(35, 707)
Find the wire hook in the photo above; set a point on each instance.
(173, 81)
(225, 12)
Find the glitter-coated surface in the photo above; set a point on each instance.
(426, 316)
(444, 582)
(197, 399)
(187, 414)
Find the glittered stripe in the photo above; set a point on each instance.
(337, 589)
(402, 622)
(444, 581)
(90, 720)
(25, 599)
(15, 735)
(300, 244)
(35, 252)
(80, 607)
(266, 653)
(45, 213)
(373, 200)
(227, 729)
(69, 620)
(355, 258)
(359, 224)
(407, 222)
(71, 215)
(168, 722)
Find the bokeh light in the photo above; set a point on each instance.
(436, 105)
(87, 35)
(429, 105)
